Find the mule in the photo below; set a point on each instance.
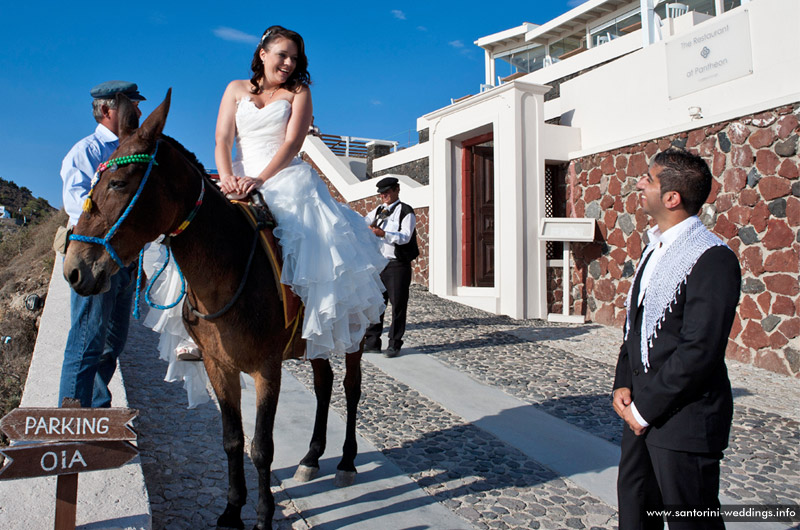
(139, 198)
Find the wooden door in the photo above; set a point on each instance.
(483, 208)
(477, 206)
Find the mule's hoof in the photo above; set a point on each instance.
(344, 478)
(305, 473)
(230, 519)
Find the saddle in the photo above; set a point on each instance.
(257, 213)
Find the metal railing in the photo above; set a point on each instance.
(350, 146)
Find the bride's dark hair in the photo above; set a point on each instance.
(299, 78)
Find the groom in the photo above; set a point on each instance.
(671, 385)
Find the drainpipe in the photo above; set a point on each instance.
(648, 22)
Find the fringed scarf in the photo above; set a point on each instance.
(669, 275)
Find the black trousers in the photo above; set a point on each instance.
(657, 478)
(397, 279)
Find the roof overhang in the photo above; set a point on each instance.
(504, 38)
(568, 23)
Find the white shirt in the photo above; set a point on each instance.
(660, 243)
(395, 234)
(79, 166)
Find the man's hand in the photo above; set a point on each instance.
(622, 400)
(377, 231)
(622, 406)
(627, 415)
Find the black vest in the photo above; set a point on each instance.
(409, 251)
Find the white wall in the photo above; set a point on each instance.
(628, 100)
(514, 114)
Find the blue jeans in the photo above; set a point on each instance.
(96, 338)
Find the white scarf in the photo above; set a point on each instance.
(669, 274)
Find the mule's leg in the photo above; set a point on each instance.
(268, 387)
(346, 474)
(226, 385)
(323, 386)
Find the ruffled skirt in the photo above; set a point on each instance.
(332, 260)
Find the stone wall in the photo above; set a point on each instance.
(416, 169)
(363, 206)
(754, 207)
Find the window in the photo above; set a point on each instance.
(525, 60)
(565, 45)
(616, 27)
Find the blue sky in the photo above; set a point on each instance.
(375, 66)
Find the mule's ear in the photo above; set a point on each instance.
(154, 124)
(127, 116)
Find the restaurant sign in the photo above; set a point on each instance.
(716, 52)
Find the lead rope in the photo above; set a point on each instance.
(147, 298)
(198, 203)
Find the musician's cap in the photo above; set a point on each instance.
(108, 89)
(385, 184)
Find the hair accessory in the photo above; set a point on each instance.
(265, 36)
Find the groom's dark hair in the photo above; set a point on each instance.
(686, 173)
(299, 78)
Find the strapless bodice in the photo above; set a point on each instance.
(259, 134)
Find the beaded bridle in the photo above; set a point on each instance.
(114, 164)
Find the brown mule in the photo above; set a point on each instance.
(156, 198)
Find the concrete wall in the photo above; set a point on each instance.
(628, 99)
(754, 206)
(113, 498)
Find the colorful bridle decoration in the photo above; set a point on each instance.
(87, 205)
(114, 164)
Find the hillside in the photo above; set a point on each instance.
(26, 263)
(21, 203)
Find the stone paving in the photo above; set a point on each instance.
(564, 370)
(183, 461)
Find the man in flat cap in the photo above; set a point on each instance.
(99, 323)
(394, 222)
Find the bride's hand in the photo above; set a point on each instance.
(249, 184)
(229, 184)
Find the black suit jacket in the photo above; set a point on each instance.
(685, 395)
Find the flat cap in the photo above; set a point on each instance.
(385, 184)
(109, 89)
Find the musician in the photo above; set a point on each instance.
(395, 223)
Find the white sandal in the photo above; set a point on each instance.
(187, 351)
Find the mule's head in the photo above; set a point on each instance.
(89, 263)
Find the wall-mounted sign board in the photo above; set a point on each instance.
(567, 229)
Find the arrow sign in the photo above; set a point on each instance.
(68, 424)
(64, 458)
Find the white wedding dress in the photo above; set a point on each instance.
(330, 257)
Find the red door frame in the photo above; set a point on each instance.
(467, 232)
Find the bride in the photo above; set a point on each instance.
(332, 260)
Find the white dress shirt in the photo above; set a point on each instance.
(660, 243)
(395, 234)
(79, 166)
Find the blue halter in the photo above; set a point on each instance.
(106, 241)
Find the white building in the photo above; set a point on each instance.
(552, 141)
(596, 78)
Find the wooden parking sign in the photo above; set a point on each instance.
(76, 440)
